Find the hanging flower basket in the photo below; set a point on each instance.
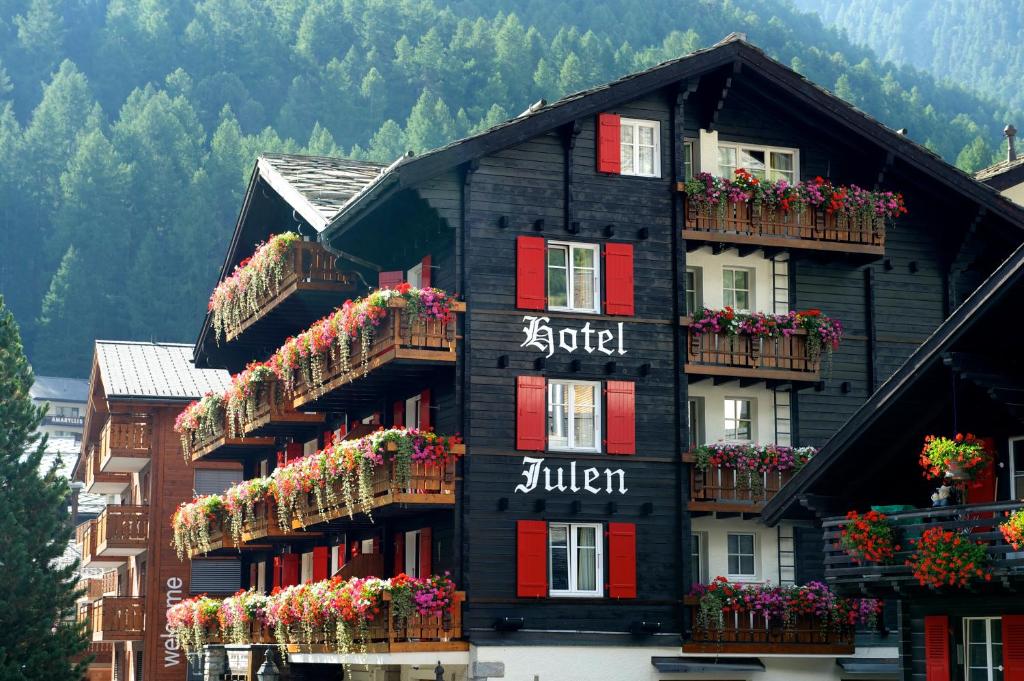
(959, 458)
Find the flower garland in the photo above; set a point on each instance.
(330, 339)
(252, 280)
(710, 194)
(192, 621)
(193, 522)
(242, 398)
(239, 611)
(869, 538)
(946, 558)
(752, 461)
(1013, 529)
(941, 455)
(200, 421)
(823, 333)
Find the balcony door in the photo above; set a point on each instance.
(1017, 467)
(983, 639)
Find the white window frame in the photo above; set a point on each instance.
(750, 290)
(412, 553)
(636, 124)
(737, 147)
(1014, 473)
(993, 664)
(306, 567)
(753, 418)
(365, 546)
(689, 159)
(700, 572)
(570, 404)
(740, 576)
(699, 413)
(337, 558)
(412, 412)
(572, 591)
(698, 288)
(261, 577)
(569, 279)
(414, 275)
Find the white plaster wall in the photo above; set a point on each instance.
(1015, 193)
(620, 663)
(714, 397)
(766, 547)
(710, 267)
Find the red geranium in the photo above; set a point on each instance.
(869, 538)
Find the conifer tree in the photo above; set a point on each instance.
(38, 632)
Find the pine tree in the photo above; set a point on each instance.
(38, 633)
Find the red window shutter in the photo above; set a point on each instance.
(321, 563)
(531, 287)
(354, 551)
(276, 577)
(936, 647)
(618, 279)
(290, 569)
(328, 438)
(531, 413)
(621, 417)
(609, 143)
(399, 565)
(398, 414)
(531, 559)
(376, 545)
(425, 410)
(425, 276)
(982, 489)
(390, 279)
(622, 560)
(426, 552)
(292, 451)
(1013, 647)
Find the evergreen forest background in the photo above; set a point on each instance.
(128, 128)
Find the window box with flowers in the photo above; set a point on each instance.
(742, 473)
(869, 538)
(948, 559)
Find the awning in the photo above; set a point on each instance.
(870, 667)
(675, 665)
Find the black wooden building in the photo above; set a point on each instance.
(578, 521)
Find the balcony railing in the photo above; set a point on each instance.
(265, 526)
(102, 654)
(89, 588)
(727, 490)
(218, 443)
(399, 339)
(122, 531)
(86, 540)
(977, 522)
(274, 410)
(118, 619)
(754, 634)
(309, 275)
(786, 358)
(125, 443)
(812, 229)
(98, 482)
(111, 583)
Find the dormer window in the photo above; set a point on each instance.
(772, 163)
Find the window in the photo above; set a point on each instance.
(699, 557)
(771, 163)
(576, 564)
(739, 419)
(983, 638)
(641, 147)
(412, 412)
(414, 277)
(412, 553)
(741, 555)
(306, 568)
(366, 546)
(67, 411)
(261, 577)
(1017, 468)
(695, 421)
(687, 159)
(574, 416)
(573, 277)
(691, 285)
(737, 288)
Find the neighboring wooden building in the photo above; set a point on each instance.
(1007, 176)
(576, 522)
(131, 454)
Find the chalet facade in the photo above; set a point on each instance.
(573, 369)
(131, 455)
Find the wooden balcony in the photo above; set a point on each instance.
(726, 490)
(404, 351)
(977, 522)
(89, 588)
(722, 357)
(118, 619)
(222, 543)
(265, 527)
(102, 654)
(85, 540)
(754, 634)
(111, 583)
(219, 445)
(744, 224)
(364, 565)
(310, 288)
(125, 443)
(275, 413)
(122, 531)
(98, 482)
(389, 634)
(429, 486)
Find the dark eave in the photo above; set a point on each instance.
(998, 285)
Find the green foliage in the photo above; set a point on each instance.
(128, 128)
(38, 632)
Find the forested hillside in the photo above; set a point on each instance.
(128, 127)
(969, 41)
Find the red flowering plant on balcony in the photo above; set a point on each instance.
(330, 339)
(823, 332)
(943, 558)
(240, 503)
(193, 522)
(1012, 529)
(238, 613)
(961, 457)
(869, 538)
(194, 622)
(200, 421)
(242, 398)
(252, 280)
(752, 461)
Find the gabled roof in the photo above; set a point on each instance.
(735, 51)
(992, 291)
(60, 389)
(1002, 175)
(164, 371)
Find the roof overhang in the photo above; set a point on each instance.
(292, 196)
(679, 665)
(869, 667)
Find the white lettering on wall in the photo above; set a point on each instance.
(540, 336)
(554, 478)
(171, 655)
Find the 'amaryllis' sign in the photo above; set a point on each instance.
(541, 336)
(556, 480)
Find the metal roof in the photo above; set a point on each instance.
(131, 369)
(316, 186)
(60, 389)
